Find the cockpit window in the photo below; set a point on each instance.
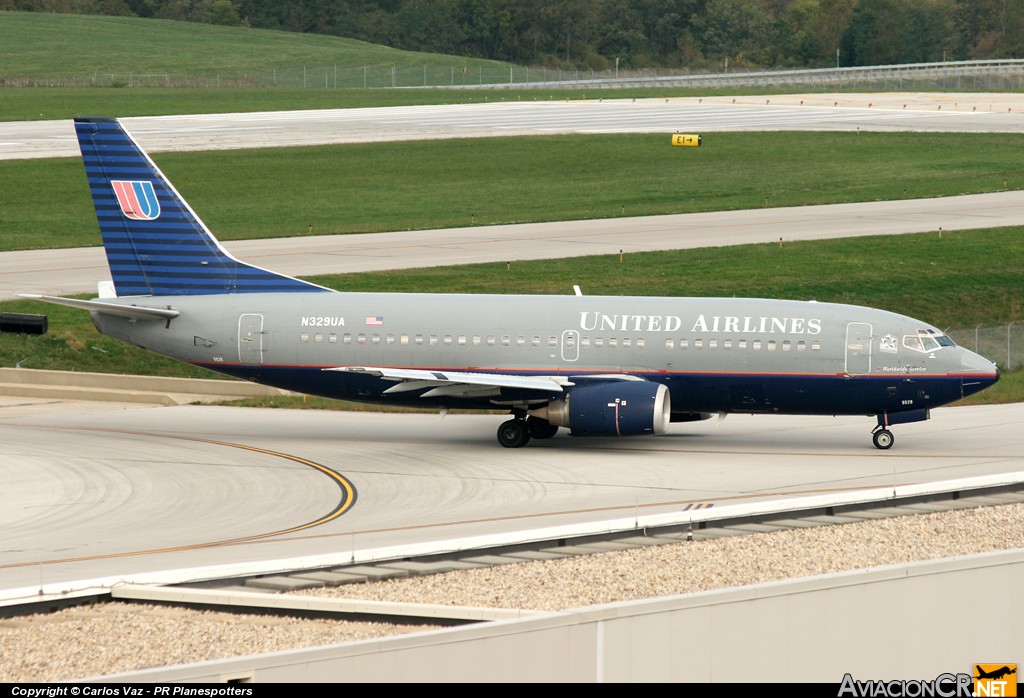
(927, 341)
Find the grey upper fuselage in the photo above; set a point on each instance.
(714, 354)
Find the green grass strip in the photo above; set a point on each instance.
(274, 192)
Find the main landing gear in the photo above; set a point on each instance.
(882, 437)
(517, 432)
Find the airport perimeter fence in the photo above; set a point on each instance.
(1003, 344)
(963, 76)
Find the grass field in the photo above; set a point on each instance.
(80, 65)
(432, 184)
(40, 44)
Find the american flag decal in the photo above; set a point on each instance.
(374, 320)
(137, 199)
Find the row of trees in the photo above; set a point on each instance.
(631, 33)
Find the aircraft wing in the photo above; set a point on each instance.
(458, 383)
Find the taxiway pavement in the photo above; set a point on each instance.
(520, 115)
(104, 490)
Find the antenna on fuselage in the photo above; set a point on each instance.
(576, 288)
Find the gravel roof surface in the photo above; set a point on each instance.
(116, 637)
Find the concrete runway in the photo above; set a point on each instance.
(58, 272)
(105, 490)
(954, 112)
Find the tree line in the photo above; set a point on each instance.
(630, 34)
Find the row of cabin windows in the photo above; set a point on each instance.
(429, 340)
(754, 344)
(552, 341)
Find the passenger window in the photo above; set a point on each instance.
(552, 341)
(712, 344)
(613, 342)
(698, 344)
(670, 344)
(815, 345)
(584, 342)
(771, 345)
(756, 345)
(801, 345)
(304, 337)
(727, 344)
(360, 338)
(785, 345)
(390, 339)
(641, 343)
(598, 341)
(461, 340)
(476, 340)
(318, 338)
(741, 344)
(448, 339)
(332, 338)
(418, 339)
(375, 339)
(490, 340)
(404, 340)
(684, 344)
(346, 338)
(433, 340)
(520, 341)
(506, 340)
(535, 341)
(626, 342)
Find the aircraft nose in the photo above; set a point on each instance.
(975, 364)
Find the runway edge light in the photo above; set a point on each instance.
(687, 139)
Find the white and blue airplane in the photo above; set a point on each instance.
(595, 365)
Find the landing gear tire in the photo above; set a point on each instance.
(540, 428)
(513, 433)
(883, 439)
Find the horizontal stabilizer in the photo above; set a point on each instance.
(134, 312)
(418, 379)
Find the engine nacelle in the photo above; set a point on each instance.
(615, 408)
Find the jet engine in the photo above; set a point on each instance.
(614, 408)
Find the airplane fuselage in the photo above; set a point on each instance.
(713, 354)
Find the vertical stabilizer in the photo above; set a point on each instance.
(156, 245)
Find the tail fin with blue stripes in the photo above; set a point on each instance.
(155, 243)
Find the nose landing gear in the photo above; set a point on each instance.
(882, 437)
